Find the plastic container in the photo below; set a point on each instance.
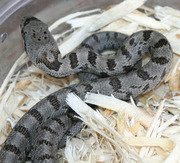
(12, 11)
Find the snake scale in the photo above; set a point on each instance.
(44, 128)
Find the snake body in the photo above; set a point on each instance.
(46, 125)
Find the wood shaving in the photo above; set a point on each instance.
(119, 131)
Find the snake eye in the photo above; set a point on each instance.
(26, 22)
(23, 33)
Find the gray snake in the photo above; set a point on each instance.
(44, 128)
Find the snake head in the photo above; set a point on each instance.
(26, 20)
(33, 28)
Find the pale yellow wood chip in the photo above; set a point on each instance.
(164, 143)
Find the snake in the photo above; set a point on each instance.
(44, 128)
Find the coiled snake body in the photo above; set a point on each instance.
(45, 126)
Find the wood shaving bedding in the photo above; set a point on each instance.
(123, 132)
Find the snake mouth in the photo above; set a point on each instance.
(26, 20)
